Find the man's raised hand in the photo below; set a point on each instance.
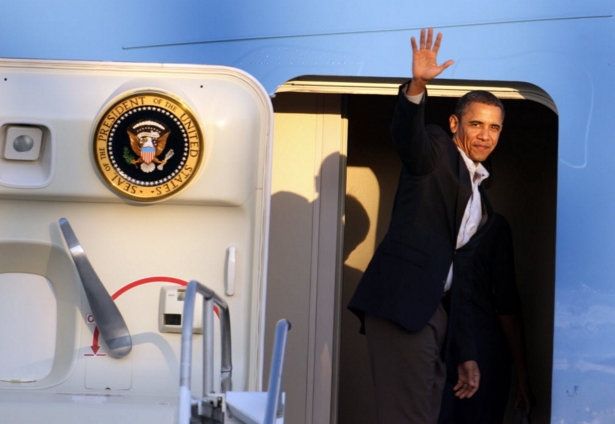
(424, 62)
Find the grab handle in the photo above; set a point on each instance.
(109, 320)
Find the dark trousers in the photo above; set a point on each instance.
(407, 369)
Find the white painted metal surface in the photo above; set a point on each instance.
(135, 248)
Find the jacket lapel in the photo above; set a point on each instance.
(463, 194)
(487, 209)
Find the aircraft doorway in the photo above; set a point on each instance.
(332, 150)
(522, 188)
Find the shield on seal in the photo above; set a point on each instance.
(148, 154)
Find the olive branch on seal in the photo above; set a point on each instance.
(128, 157)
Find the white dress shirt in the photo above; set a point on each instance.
(473, 213)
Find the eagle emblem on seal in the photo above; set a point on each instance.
(148, 140)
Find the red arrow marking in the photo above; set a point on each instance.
(95, 346)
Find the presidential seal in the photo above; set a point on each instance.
(148, 146)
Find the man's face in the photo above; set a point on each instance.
(478, 131)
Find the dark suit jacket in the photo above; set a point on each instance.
(404, 281)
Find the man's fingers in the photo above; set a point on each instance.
(471, 392)
(413, 43)
(436, 45)
(429, 38)
(426, 43)
(464, 390)
(446, 65)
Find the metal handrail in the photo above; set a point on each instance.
(274, 407)
(210, 298)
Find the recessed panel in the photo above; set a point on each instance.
(28, 317)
